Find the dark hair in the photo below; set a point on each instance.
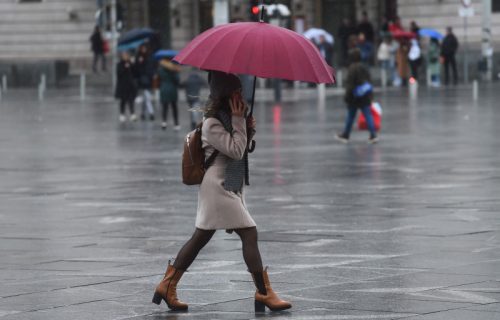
(354, 55)
(214, 105)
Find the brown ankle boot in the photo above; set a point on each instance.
(167, 289)
(265, 296)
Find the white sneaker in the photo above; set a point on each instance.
(133, 117)
(373, 140)
(122, 118)
(177, 128)
(164, 125)
(341, 138)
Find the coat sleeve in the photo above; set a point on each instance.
(234, 145)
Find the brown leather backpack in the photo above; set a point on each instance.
(194, 165)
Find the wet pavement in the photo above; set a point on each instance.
(91, 211)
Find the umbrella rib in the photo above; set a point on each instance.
(305, 50)
(242, 40)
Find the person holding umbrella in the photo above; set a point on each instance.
(168, 73)
(144, 71)
(225, 132)
(221, 202)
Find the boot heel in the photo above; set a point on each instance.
(157, 298)
(259, 306)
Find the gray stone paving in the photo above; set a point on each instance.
(91, 211)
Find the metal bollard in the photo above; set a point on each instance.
(1, 94)
(4, 83)
(339, 79)
(41, 88)
(383, 78)
(475, 90)
(83, 83)
(321, 92)
(413, 88)
(43, 81)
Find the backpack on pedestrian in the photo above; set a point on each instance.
(194, 164)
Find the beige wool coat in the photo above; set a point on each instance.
(217, 207)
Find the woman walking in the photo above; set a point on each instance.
(221, 202)
(126, 88)
(169, 81)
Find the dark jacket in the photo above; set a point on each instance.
(144, 71)
(96, 43)
(126, 87)
(449, 46)
(357, 74)
(169, 81)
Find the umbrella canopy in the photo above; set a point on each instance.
(431, 33)
(258, 49)
(316, 33)
(135, 35)
(400, 34)
(131, 45)
(280, 8)
(160, 54)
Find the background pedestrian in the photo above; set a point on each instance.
(433, 64)
(144, 71)
(345, 31)
(358, 95)
(414, 58)
(126, 87)
(168, 73)
(386, 55)
(97, 47)
(402, 61)
(449, 48)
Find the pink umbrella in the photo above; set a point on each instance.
(258, 49)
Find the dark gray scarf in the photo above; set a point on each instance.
(236, 170)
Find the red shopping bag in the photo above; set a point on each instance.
(376, 110)
(105, 46)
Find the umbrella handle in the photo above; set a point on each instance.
(251, 146)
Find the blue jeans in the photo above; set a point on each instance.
(351, 116)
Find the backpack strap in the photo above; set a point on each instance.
(211, 159)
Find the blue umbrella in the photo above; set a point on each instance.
(431, 33)
(136, 35)
(131, 45)
(160, 54)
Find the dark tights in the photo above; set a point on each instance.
(200, 238)
(124, 102)
(174, 111)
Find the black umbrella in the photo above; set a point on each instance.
(136, 35)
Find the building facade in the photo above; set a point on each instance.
(49, 31)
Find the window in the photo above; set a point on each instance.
(495, 5)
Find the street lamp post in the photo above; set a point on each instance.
(486, 48)
(113, 42)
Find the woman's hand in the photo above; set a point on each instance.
(237, 105)
(251, 123)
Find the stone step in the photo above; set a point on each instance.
(61, 15)
(14, 6)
